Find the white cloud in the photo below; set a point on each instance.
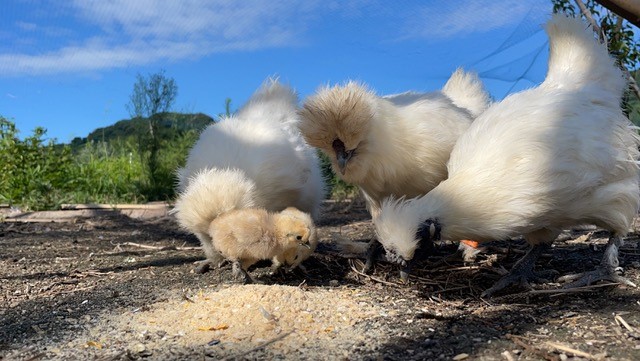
(453, 18)
(128, 33)
(86, 36)
(9, 95)
(26, 25)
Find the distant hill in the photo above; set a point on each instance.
(170, 125)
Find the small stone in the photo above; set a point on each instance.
(138, 348)
(334, 283)
(461, 356)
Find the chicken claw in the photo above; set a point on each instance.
(374, 251)
(608, 270)
(522, 272)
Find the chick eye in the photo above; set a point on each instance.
(299, 238)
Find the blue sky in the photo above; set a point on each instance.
(70, 65)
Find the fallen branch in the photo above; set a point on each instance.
(159, 248)
(261, 346)
(37, 220)
(556, 292)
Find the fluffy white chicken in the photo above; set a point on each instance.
(246, 236)
(391, 146)
(555, 156)
(253, 159)
(395, 145)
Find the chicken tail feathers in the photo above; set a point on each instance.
(272, 98)
(577, 59)
(210, 193)
(467, 91)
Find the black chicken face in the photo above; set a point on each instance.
(427, 232)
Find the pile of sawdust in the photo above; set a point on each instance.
(237, 318)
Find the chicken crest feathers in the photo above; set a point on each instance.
(341, 111)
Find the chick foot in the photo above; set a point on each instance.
(203, 266)
(608, 270)
(522, 272)
(207, 265)
(240, 274)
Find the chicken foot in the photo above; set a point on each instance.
(608, 270)
(522, 272)
(374, 252)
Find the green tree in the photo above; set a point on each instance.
(152, 97)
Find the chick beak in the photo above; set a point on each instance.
(305, 244)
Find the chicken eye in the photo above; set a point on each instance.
(299, 238)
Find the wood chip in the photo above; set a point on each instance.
(222, 326)
(94, 344)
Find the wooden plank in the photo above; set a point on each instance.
(112, 206)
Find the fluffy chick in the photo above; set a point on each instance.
(246, 236)
(294, 256)
(391, 146)
(555, 156)
(254, 158)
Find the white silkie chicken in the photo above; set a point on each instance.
(255, 158)
(555, 156)
(396, 145)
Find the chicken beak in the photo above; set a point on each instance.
(405, 271)
(343, 158)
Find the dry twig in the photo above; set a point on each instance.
(372, 277)
(519, 340)
(567, 349)
(632, 331)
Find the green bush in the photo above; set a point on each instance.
(107, 173)
(33, 172)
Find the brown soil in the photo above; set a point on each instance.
(87, 288)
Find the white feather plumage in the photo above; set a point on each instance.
(558, 155)
(255, 158)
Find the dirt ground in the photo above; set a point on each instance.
(117, 286)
